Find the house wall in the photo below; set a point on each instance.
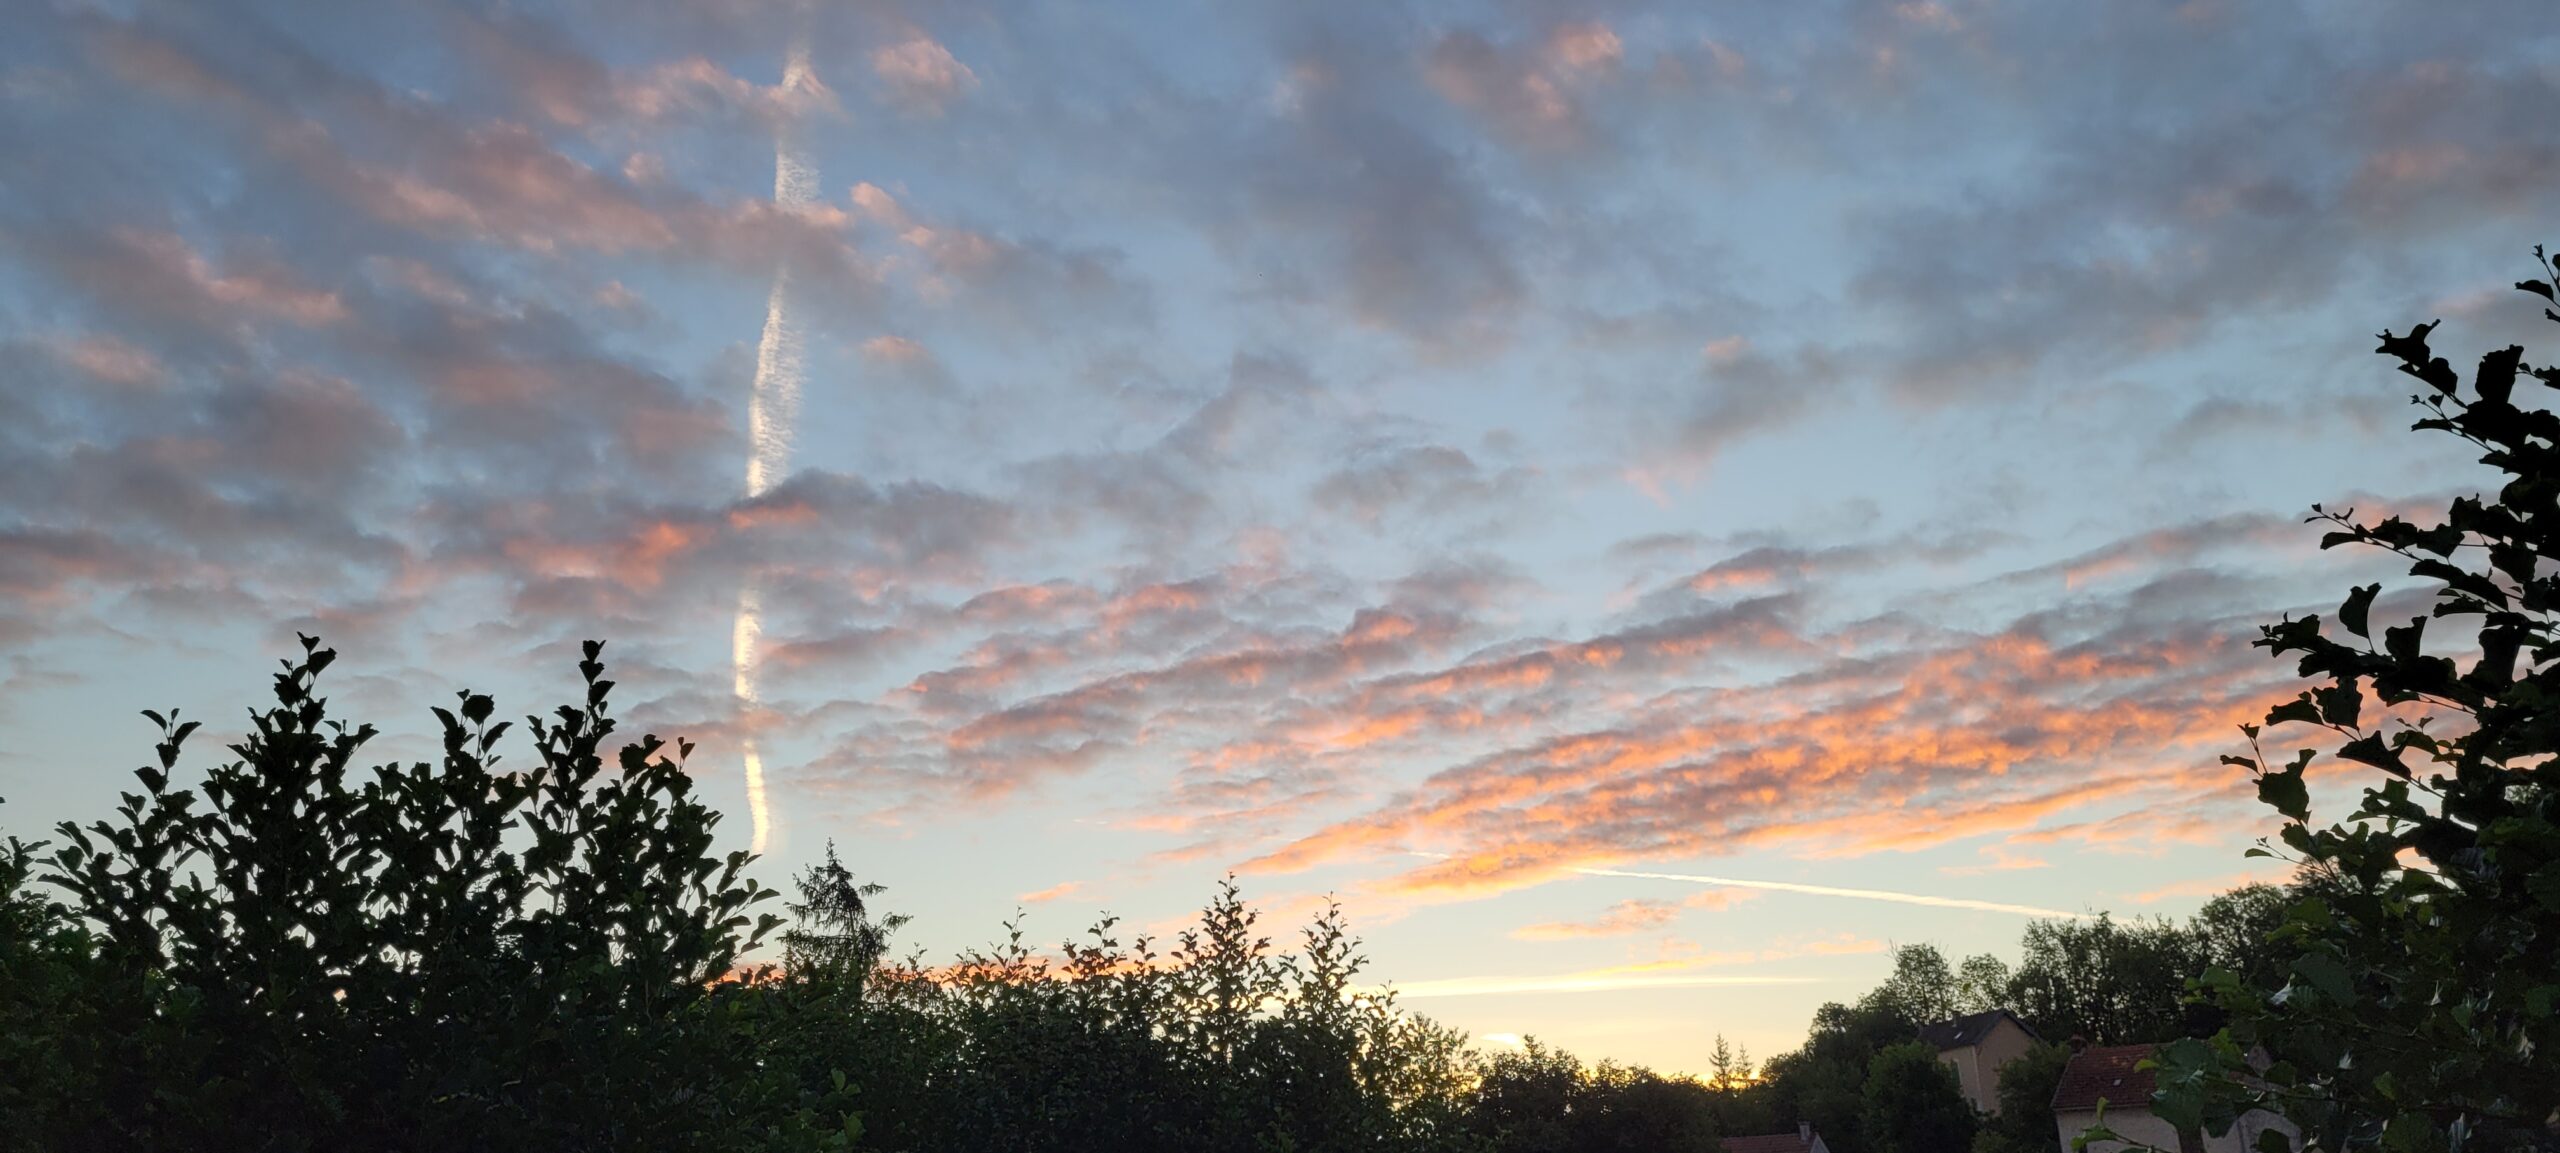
(2007, 1042)
(1968, 1066)
(2137, 1123)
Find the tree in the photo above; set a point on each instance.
(1631, 1110)
(836, 939)
(1921, 990)
(2113, 982)
(2237, 930)
(448, 956)
(1824, 1082)
(1911, 1103)
(1728, 1068)
(2420, 1005)
(1523, 1100)
(48, 1035)
(1982, 984)
(2024, 1123)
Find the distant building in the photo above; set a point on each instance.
(1979, 1045)
(1803, 1140)
(2110, 1074)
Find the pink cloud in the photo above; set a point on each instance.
(921, 73)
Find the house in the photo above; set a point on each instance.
(2110, 1074)
(1979, 1045)
(1803, 1140)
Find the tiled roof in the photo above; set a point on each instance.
(1969, 1029)
(1765, 1143)
(2106, 1072)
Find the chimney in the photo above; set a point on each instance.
(1804, 1133)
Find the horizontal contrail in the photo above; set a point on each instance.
(1887, 895)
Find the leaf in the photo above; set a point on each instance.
(2284, 791)
(2411, 348)
(2438, 374)
(2352, 613)
(2496, 379)
(2544, 885)
(2369, 750)
(2298, 709)
(2327, 975)
(2402, 643)
(2536, 287)
(2340, 703)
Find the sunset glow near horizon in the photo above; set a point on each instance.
(1647, 504)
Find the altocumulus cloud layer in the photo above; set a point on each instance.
(1463, 457)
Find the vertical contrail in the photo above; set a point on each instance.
(773, 408)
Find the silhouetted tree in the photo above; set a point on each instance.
(1524, 1099)
(836, 939)
(2025, 1121)
(1728, 1068)
(1911, 1103)
(437, 957)
(49, 1005)
(1920, 990)
(2420, 1004)
(1982, 984)
(2114, 982)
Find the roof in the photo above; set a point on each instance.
(1765, 1143)
(1969, 1029)
(2105, 1072)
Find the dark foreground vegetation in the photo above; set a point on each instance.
(294, 953)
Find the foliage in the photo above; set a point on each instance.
(2420, 1008)
(1982, 983)
(1222, 1044)
(1920, 989)
(1729, 1067)
(836, 940)
(1911, 1103)
(47, 1058)
(2110, 981)
(2102, 979)
(1542, 1100)
(2025, 1122)
(451, 956)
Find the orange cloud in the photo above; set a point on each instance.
(1054, 892)
(1623, 918)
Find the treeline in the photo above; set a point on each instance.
(296, 954)
(1863, 1078)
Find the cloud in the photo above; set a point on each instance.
(1350, 207)
(1582, 981)
(1885, 895)
(1059, 891)
(1026, 284)
(921, 74)
(1530, 94)
(1431, 483)
(1232, 449)
(2202, 886)
(1621, 919)
(1956, 734)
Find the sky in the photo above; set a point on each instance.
(1647, 504)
